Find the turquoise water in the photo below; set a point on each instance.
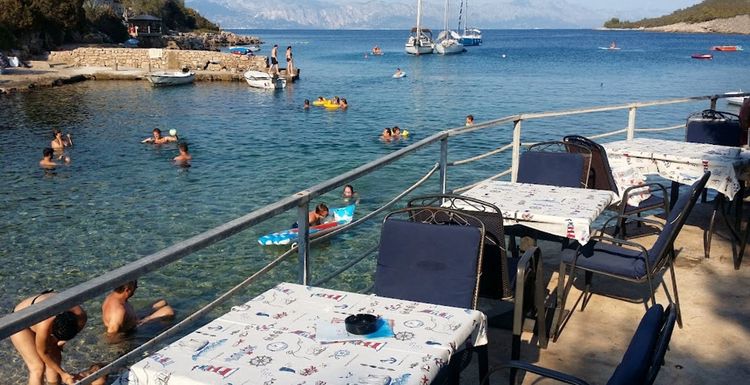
(120, 200)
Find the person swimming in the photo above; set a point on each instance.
(398, 73)
(306, 104)
(156, 137)
(184, 157)
(386, 135)
(58, 141)
(343, 104)
(47, 160)
(315, 217)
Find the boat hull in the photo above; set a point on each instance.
(449, 47)
(470, 40)
(258, 79)
(164, 79)
(727, 48)
(418, 49)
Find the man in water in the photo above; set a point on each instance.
(274, 70)
(158, 139)
(119, 316)
(469, 120)
(47, 161)
(58, 141)
(41, 345)
(184, 157)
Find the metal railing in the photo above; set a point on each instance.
(12, 323)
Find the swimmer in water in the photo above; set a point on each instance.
(398, 72)
(58, 141)
(158, 139)
(47, 160)
(343, 104)
(184, 157)
(386, 135)
(306, 105)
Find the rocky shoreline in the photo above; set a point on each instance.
(209, 41)
(735, 25)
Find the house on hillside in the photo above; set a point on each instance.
(144, 26)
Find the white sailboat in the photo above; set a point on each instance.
(470, 35)
(420, 39)
(447, 42)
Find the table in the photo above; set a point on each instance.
(682, 162)
(565, 212)
(271, 339)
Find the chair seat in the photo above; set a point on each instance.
(653, 202)
(608, 259)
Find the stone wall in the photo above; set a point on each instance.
(157, 59)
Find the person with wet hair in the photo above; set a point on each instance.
(41, 344)
(118, 315)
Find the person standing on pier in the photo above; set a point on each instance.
(274, 70)
(289, 61)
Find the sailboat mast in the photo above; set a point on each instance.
(460, 14)
(419, 19)
(466, 18)
(445, 22)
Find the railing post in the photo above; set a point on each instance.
(713, 102)
(303, 242)
(631, 122)
(516, 149)
(443, 164)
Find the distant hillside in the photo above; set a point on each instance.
(702, 12)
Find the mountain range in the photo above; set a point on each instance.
(381, 14)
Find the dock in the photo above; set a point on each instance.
(43, 74)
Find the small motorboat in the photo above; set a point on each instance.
(702, 56)
(727, 48)
(170, 78)
(259, 79)
(244, 50)
(736, 100)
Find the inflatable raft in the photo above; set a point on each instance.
(341, 216)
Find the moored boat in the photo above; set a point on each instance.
(728, 48)
(243, 50)
(170, 78)
(448, 41)
(471, 36)
(702, 56)
(259, 79)
(420, 39)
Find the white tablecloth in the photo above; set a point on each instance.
(272, 340)
(563, 211)
(681, 162)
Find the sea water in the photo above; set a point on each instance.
(120, 200)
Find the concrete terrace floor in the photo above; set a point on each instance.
(711, 348)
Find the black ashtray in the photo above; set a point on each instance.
(361, 324)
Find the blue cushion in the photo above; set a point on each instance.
(428, 262)
(551, 168)
(637, 360)
(608, 258)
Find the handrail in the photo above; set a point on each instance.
(9, 324)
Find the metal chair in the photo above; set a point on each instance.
(639, 365)
(503, 277)
(433, 255)
(600, 178)
(634, 263)
(555, 164)
(720, 128)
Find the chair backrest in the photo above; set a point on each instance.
(435, 260)
(645, 354)
(600, 174)
(677, 217)
(551, 163)
(714, 127)
(495, 282)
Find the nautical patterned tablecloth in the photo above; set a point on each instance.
(563, 211)
(271, 340)
(681, 162)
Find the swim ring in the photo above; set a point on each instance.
(331, 105)
(320, 102)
